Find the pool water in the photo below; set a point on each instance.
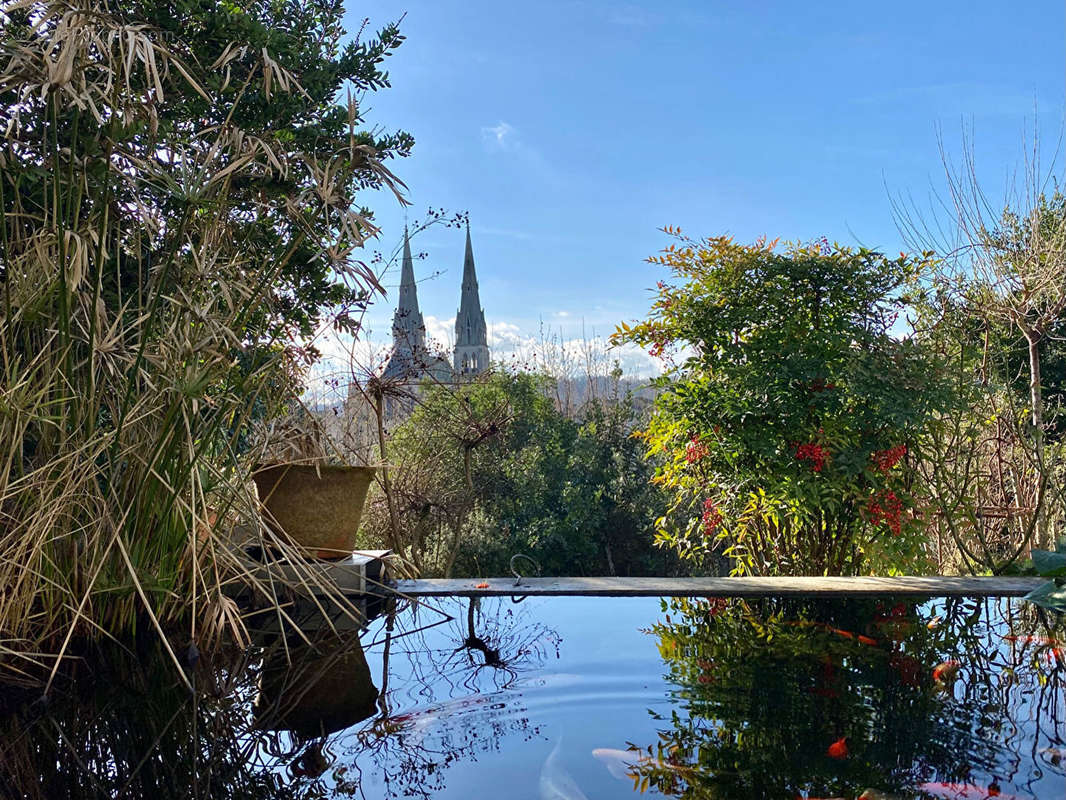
(569, 698)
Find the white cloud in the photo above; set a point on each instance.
(505, 138)
(565, 356)
(439, 332)
(500, 135)
(560, 354)
(506, 335)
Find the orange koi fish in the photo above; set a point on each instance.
(945, 671)
(838, 749)
(1042, 640)
(964, 791)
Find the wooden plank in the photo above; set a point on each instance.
(925, 586)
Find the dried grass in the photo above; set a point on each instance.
(122, 407)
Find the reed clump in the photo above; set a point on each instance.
(144, 275)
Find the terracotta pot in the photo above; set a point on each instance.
(318, 508)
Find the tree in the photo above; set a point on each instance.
(177, 184)
(493, 468)
(1007, 264)
(270, 79)
(788, 408)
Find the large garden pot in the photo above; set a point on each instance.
(319, 508)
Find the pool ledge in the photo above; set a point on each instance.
(925, 586)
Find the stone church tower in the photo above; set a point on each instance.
(408, 327)
(411, 361)
(471, 334)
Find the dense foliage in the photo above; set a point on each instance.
(177, 186)
(789, 406)
(492, 468)
(266, 75)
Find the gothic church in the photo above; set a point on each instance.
(411, 360)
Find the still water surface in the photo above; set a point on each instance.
(570, 698)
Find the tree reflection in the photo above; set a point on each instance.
(795, 698)
(298, 716)
(460, 677)
(129, 728)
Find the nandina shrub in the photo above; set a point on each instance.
(790, 407)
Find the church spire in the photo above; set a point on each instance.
(471, 333)
(469, 276)
(408, 329)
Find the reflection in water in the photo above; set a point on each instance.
(794, 698)
(281, 721)
(315, 688)
(772, 699)
(458, 693)
(130, 729)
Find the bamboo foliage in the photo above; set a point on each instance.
(132, 361)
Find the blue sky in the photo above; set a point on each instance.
(572, 131)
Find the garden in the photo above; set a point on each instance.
(183, 190)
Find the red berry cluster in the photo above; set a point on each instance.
(712, 517)
(887, 508)
(884, 460)
(716, 605)
(819, 385)
(695, 450)
(812, 452)
(657, 349)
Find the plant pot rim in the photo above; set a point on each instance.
(295, 465)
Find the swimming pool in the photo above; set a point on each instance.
(565, 698)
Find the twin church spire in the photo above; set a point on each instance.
(410, 357)
(471, 354)
(408, 327)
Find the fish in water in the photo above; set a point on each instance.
(838, 749)
(555, 782)
(964, 791)
(1034, 640)
(618, 762)
(1056, 755)
(417, 722)
(945, 671)
(621, 762)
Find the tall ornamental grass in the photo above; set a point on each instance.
(131, 337)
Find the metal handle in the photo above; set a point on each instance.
(514, 571)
